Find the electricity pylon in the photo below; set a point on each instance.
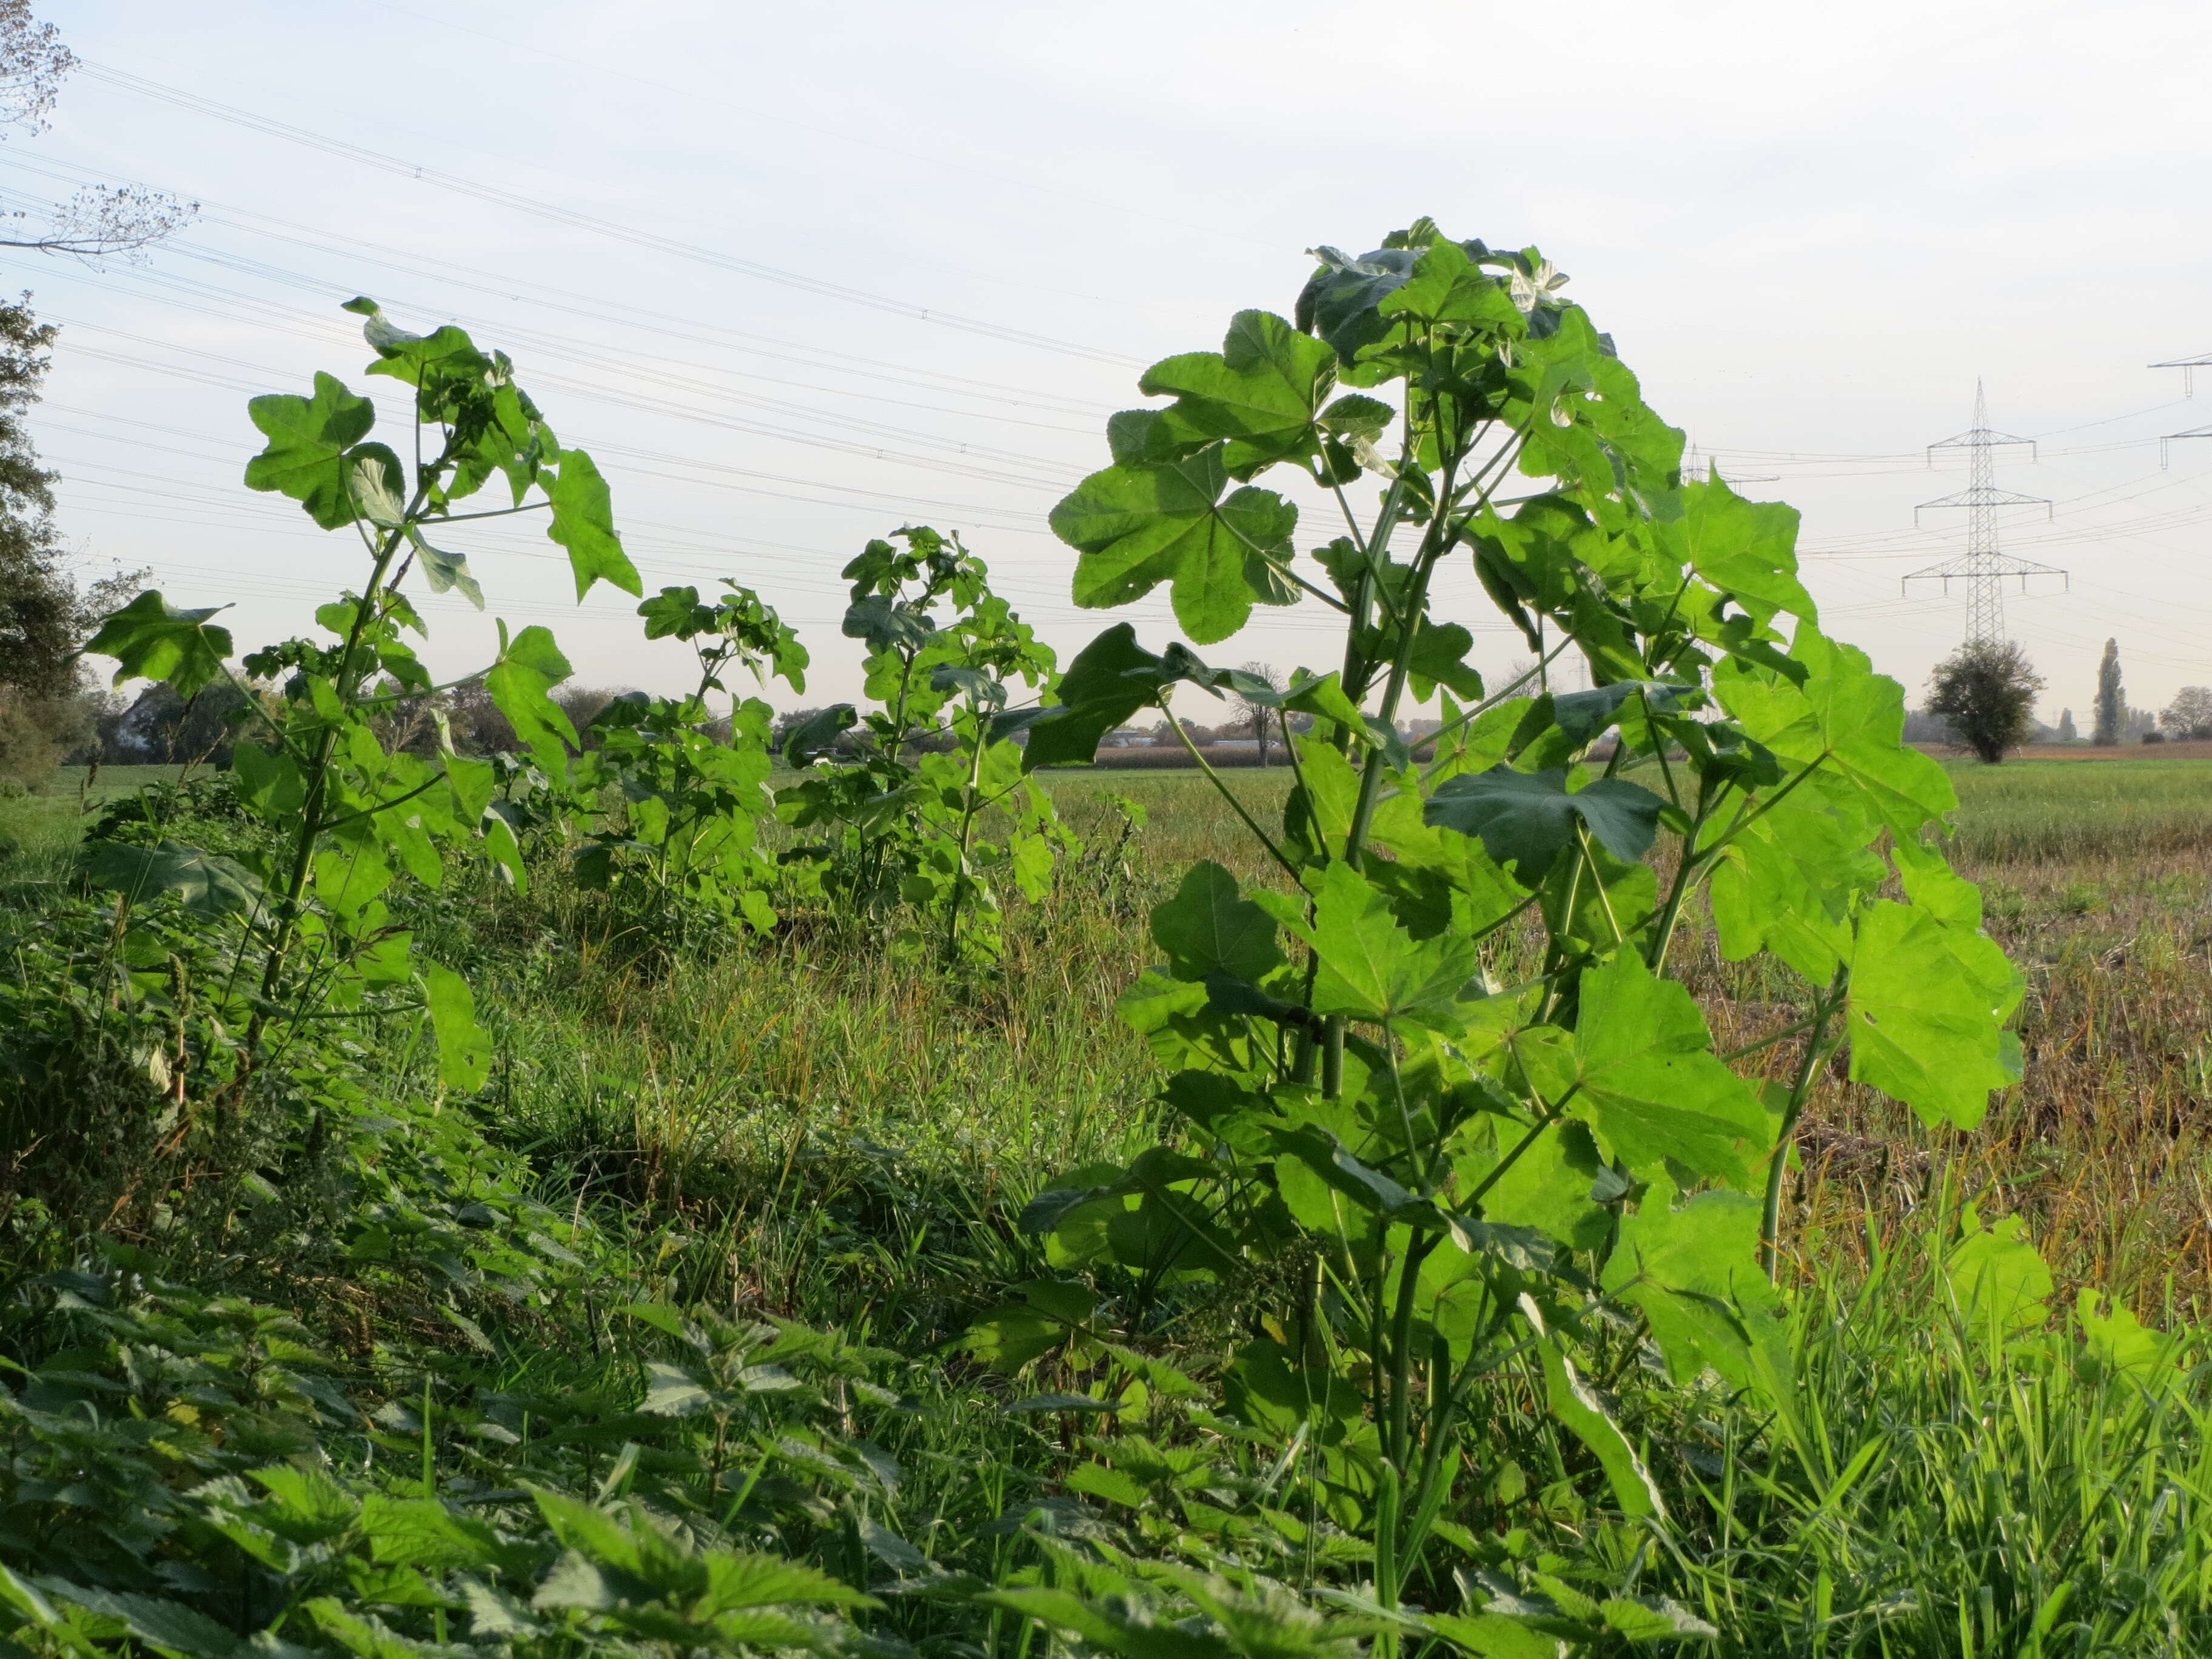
(2188, 366)
(1982, 568)
(1703, 468)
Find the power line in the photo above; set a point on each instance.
(557, 214)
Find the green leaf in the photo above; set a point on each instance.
(1997, 1276)
(1008, 1338)
(1845, 717)
(1642, 1619)
(1262, 392)
(209, 884)
(670, 1392)
(445, 571)
(1747, 549)
(151, 640)
(584, 523)
(888, 625)
(378, 482)
(308, 439)
(1929, 1000)
(1206, 928)
(1576, 1404)
(1138, 525)
(269, 780)
(1528, 817)
(1651, 1087)
(1581, 715)
(2122, 1346)
(1371, 969)
(170, 1627)
(1693, 1271)
(1439, 658)
(817, 731)
(1492, 1636)
(464, 1047)
(1448, 287)
(531, 665)
(1110, 679)
(1788, 880)
(1549, 1188)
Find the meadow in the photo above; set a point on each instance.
(801, 1130)
(691, 1187)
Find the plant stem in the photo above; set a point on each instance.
(1809, 1070)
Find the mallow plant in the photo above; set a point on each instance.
(345, 816)
(1442, 1113)
(919, 811)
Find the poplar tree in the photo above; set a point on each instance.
(2111, 700)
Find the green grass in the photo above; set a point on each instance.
(809, 1130)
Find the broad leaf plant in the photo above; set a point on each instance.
(1437, 1069)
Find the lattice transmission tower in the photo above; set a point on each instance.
(2188, 366)
(1982, 570)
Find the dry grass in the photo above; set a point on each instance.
(2097, 883)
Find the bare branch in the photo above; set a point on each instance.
(33, 61)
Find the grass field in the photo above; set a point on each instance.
(722, 1085)
(805, 1130)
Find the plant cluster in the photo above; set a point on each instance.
(901, 822)
(1443, 1309)
(1436, 1078)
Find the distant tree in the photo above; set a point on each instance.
(2189, 716)
(2066, 731)
(2111, 700)
(1260, 717)
(162, 728)
(1987, 689)
(44, 616)
(477, 725)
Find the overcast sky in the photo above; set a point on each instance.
(798, 274)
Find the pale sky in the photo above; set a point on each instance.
(797, 275)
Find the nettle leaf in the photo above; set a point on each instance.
(1262, 392)
(151, 640)
(583, 522)
(1928, 1000)
(1138, 525)
(1650, 1086)
(308, 439)
(464, 1046)
(1528, 818)
(1208, 928)
(1371, 969)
